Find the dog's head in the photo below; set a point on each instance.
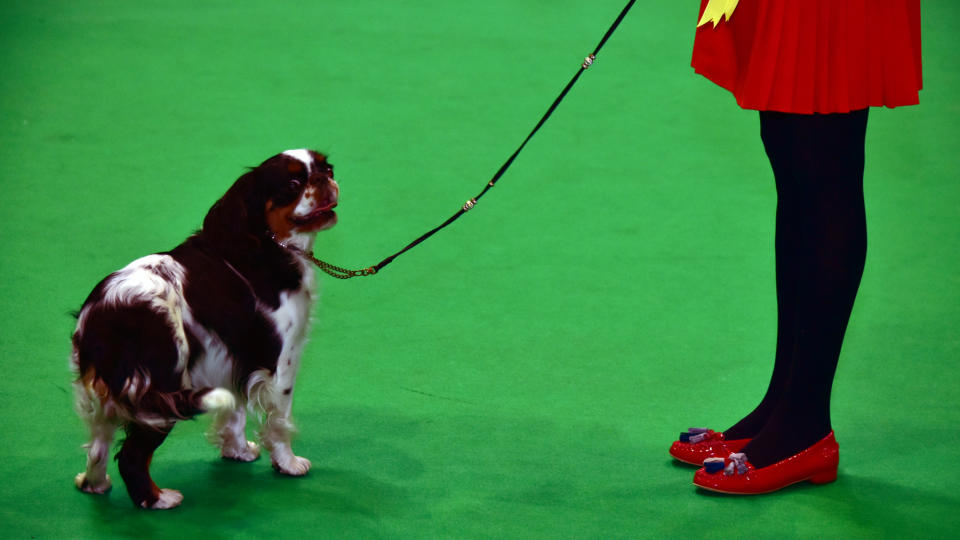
(288, 198)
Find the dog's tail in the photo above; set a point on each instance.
(194, 401)
(161, 408)
(218, 400)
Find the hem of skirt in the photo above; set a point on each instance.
(793, 108)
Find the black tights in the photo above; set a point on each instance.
(821, 245)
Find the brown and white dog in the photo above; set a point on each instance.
(214, 325)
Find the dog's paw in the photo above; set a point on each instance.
(293, 466)
(248, 452)
(169, 498)
(97, 488)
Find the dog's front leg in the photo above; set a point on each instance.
(275, 396)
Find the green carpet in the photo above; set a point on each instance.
(522, 374)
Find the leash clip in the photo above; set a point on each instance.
(588, 61)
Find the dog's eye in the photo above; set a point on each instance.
(295, 184)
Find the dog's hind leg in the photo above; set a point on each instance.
(95, 478)
(229, 433)
(134, 464)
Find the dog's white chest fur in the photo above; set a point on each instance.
(292, 320)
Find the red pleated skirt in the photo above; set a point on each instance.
(817, 56)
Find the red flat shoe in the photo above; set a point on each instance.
(698, 444)
(735, 475)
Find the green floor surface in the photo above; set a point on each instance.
(522, 374)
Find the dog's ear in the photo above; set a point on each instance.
(236, 215)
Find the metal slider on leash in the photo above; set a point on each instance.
(343, 273)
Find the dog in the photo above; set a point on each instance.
(215, 325)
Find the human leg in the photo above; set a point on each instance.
(818, 161)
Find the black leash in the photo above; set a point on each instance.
(343, 273)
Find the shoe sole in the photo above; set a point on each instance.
(816, 479)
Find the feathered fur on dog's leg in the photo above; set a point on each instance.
(228, 432)
(277, 428)
(95, 478)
